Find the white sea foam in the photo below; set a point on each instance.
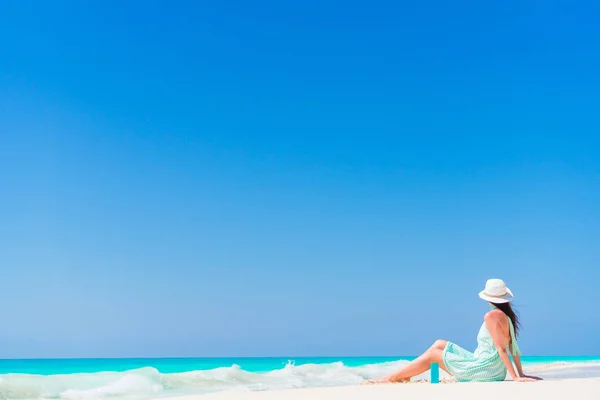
(147, 383)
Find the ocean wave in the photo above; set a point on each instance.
(148, 382)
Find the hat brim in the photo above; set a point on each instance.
(497, 299)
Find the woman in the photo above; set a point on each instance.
(491, 361)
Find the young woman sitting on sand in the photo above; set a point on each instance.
(491, 361)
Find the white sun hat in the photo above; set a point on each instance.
(496, 292)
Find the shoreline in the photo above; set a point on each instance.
(574, 389)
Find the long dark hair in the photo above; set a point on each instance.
(510, 313)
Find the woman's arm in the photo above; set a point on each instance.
(493, 322)
(517, 360)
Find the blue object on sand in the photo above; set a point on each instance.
(435, 373)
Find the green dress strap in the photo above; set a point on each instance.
(513, 339)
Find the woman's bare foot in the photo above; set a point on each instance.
(374, 382)
(383, 381)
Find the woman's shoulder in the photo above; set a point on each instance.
(495, 316)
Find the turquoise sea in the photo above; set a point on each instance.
(140, 378)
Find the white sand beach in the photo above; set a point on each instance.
(573, 389)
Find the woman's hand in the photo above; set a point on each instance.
(526, 379)
(537, 378)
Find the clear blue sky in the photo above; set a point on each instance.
(318, 178)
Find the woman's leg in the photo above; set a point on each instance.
(418, 365)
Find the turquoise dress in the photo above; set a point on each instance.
(485, 365)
